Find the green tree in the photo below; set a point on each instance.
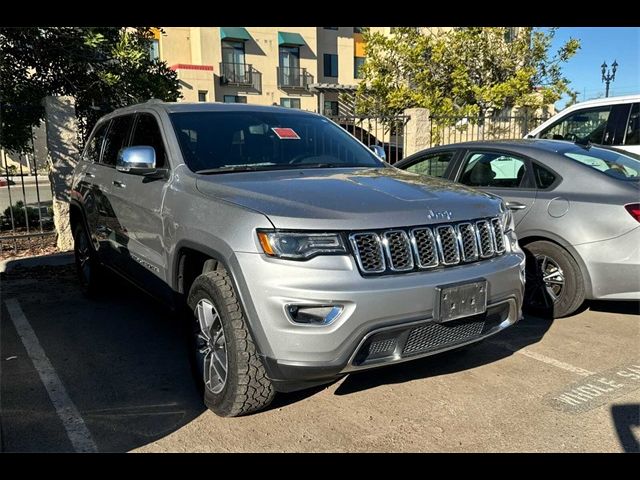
(103, 68)
(573, 98)
(461, 72)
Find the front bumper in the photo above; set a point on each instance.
(296, 355)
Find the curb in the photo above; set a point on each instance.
(56, 259)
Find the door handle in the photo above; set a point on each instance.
(89, 174)
(119, 184)
(515, 205)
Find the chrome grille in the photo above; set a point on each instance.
(398, 248)
(447, 245)
(468, 242)
(419, 248)
(424, 243)
(498, 235)
(369, 252)
(485, 239)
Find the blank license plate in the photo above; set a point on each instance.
(461, 300)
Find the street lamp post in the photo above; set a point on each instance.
(608, 76)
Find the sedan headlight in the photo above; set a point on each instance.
(300, 245)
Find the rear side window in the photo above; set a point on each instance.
(116, 138)
(615, 163)
(147, 133)
(434, 165)
(633, 127)
(544, 178)
(588, 124)
(92, 152)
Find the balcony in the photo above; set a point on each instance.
(294, 77)
(240, 74)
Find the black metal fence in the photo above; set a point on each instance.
(446, 130)
(387, 132)
(26, 214)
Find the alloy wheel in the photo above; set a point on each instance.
(545, 283)
(211, 346)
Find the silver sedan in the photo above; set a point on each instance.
(576, 208)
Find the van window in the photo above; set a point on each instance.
(588, 124)
(632, 136)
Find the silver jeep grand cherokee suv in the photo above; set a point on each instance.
(300, 254)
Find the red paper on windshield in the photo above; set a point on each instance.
(285, 133)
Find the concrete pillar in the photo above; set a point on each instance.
(417, 132)
(62, 143)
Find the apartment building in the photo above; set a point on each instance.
(312, 68)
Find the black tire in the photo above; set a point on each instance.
(539, 297)
(247, 388)
(88, 268)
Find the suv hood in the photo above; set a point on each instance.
(349, 198)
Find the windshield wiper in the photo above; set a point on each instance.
(331, 165)
(238, 168)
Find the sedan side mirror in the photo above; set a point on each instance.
(140, 160)
(379, 151)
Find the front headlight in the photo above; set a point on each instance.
(506, 216)
(299, 245)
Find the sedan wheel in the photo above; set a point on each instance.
(554, 285)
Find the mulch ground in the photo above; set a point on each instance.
(26, 246)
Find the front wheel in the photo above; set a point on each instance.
(554, 286)
(87, 265)
(226, 365)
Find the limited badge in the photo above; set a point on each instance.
(285, 133)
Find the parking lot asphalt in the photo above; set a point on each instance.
(112, 375)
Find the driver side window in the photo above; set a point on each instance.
(588, 124)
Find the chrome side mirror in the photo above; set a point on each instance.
(139, 160)
(379, 151)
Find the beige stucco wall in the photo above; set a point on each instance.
(175, 45)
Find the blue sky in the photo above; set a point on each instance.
(600, 44)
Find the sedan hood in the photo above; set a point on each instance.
(349, 198)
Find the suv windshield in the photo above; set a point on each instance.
(612, 162)
(214, 142)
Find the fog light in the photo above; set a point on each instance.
(314, 314)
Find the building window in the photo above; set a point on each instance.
(232, 52)
(202, 95)
(290, 102)
(330, 65)
(234, 99)
(360, 29)
(358, 62)
(154, 49)
(330, 28)
(330, 108)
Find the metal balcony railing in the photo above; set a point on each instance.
(236, 73)
(294, 77)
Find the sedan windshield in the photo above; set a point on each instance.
(617, 164)
(218, 142)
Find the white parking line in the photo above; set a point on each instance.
(77, 431)
(543, 358)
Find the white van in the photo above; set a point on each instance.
(611, 121)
